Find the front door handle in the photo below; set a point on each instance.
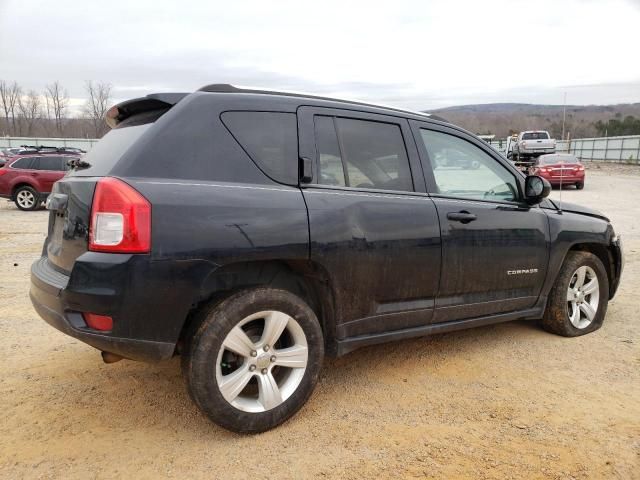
(462, 217)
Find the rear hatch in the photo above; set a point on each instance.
(563, 170)
(72, 197)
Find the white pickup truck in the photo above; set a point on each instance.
(530, 145)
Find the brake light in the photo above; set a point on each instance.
(3, 171)
(580, 168)
(98, 322)
(120, 219)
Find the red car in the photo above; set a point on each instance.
(27, 179)
(561, 168)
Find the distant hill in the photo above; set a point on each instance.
(502, 119)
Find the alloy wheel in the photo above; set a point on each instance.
(583, 297)
(262, 361)
(26, 199)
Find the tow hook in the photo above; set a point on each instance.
(108, 357)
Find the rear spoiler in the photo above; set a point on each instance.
(155, 101)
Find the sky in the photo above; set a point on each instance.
(407, 53)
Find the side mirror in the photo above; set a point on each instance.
(536, 189)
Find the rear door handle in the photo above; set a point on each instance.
(462, 217)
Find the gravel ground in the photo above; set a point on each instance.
(504, 401)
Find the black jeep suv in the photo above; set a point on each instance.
(253, 232)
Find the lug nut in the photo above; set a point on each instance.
(254, 353)
(252, 368)
(266, 348)
(273, 358)
(264, 371)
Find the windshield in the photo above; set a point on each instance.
(535, 136)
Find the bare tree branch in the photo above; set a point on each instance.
(30, 107)
(9, 95)
(57, 101)
(97, 105)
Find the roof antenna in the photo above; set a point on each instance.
(561, 178)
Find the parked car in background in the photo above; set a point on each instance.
(6, 154)
(560, 169)
(530, 145)
(27, 179)
(295, 226)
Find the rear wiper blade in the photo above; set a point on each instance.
(78, 163)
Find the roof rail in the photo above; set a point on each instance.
(228, 88)
(40, 148)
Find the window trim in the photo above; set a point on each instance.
(405, 134)
(432, 187)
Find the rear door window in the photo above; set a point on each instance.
(270, 139)
(362, 154)
(49, 163)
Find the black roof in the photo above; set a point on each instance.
(159, 101)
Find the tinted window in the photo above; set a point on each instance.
(331, 170)
(373, 155)
(48, 163)
(270, 139)
(461, 169)
(23, 163)
(535, 136)
(105, 154)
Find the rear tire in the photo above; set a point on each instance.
(577, 303)
(580, 185)
(26, 198)
(232, 373)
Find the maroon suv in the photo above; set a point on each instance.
(27, 178)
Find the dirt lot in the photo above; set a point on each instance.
(505, 401)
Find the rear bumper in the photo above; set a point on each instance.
(565, 180)
(50, 297)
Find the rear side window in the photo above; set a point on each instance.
(49, 163)
(371, 154)
(535, 136)
(270, 139)
(105, 154)
(23, 163)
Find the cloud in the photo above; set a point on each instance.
(409, 53)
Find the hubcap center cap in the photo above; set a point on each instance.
(264, 360)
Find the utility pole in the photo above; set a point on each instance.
(564, 113)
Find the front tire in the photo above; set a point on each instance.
(578, 300)
(26, 198)
(253, 360)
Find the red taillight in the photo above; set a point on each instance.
(3, 171)
(120, 219)
(98, 322)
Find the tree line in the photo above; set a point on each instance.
(31, 113)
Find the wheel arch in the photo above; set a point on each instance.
(19, 185)
(603, 253)
(306, 279)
